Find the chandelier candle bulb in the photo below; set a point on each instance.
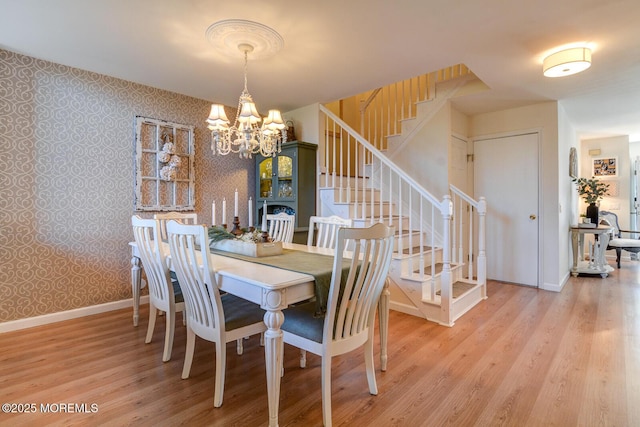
(224, 211)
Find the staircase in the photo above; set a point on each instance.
(438, 270)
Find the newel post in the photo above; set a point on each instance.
(446, 209)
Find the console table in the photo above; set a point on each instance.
(596, 263)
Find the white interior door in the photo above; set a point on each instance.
(458, 163)
(506, 173)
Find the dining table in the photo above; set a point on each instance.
(274, 289)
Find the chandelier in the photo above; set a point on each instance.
(246, 136)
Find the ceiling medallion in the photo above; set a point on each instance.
(228, 34)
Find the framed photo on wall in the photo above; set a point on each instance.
(605, 167)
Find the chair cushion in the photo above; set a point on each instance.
(177, 292)
(239, 312)
(624, 243)
(302, 320)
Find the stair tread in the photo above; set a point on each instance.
(426, 276)
(416, 250)
(371, 218)
(373, 202)
(427, 269)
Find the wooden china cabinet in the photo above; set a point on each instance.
(288, 183)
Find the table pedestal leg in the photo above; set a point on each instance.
(273, 349)
(574, 246)
(603, 241)
(383, 315)
(135, 288)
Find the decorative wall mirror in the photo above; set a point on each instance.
(164, 154)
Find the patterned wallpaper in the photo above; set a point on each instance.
(67, 182)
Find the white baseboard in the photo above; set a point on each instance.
(45, 319)
(556, 287)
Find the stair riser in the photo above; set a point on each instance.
(355, 209)
(467, 302)
(325, 181)
(351, 195)
(408, 265)
(409, 239)
(405, 241)
(395, 222)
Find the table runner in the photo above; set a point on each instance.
(317, 265)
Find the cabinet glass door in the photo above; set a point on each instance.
(266, 178)
(285, 177)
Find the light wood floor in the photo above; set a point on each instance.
(522, 358)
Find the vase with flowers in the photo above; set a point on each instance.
(592, 191)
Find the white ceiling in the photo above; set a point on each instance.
(334, 49)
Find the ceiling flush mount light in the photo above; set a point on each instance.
(245, 136)
(567, 62)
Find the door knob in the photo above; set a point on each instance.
(532, 217)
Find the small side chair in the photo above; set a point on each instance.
(617, 242)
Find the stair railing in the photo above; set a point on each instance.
(361, 173)
(469, 246)
(382, 112)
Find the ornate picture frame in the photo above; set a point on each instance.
(164, 166)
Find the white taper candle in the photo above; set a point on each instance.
(235, 204)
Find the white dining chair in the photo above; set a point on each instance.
(351, 307)
(281, 227)
(216, 318)
(182, 217)
(164, 294)
(324, 229)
